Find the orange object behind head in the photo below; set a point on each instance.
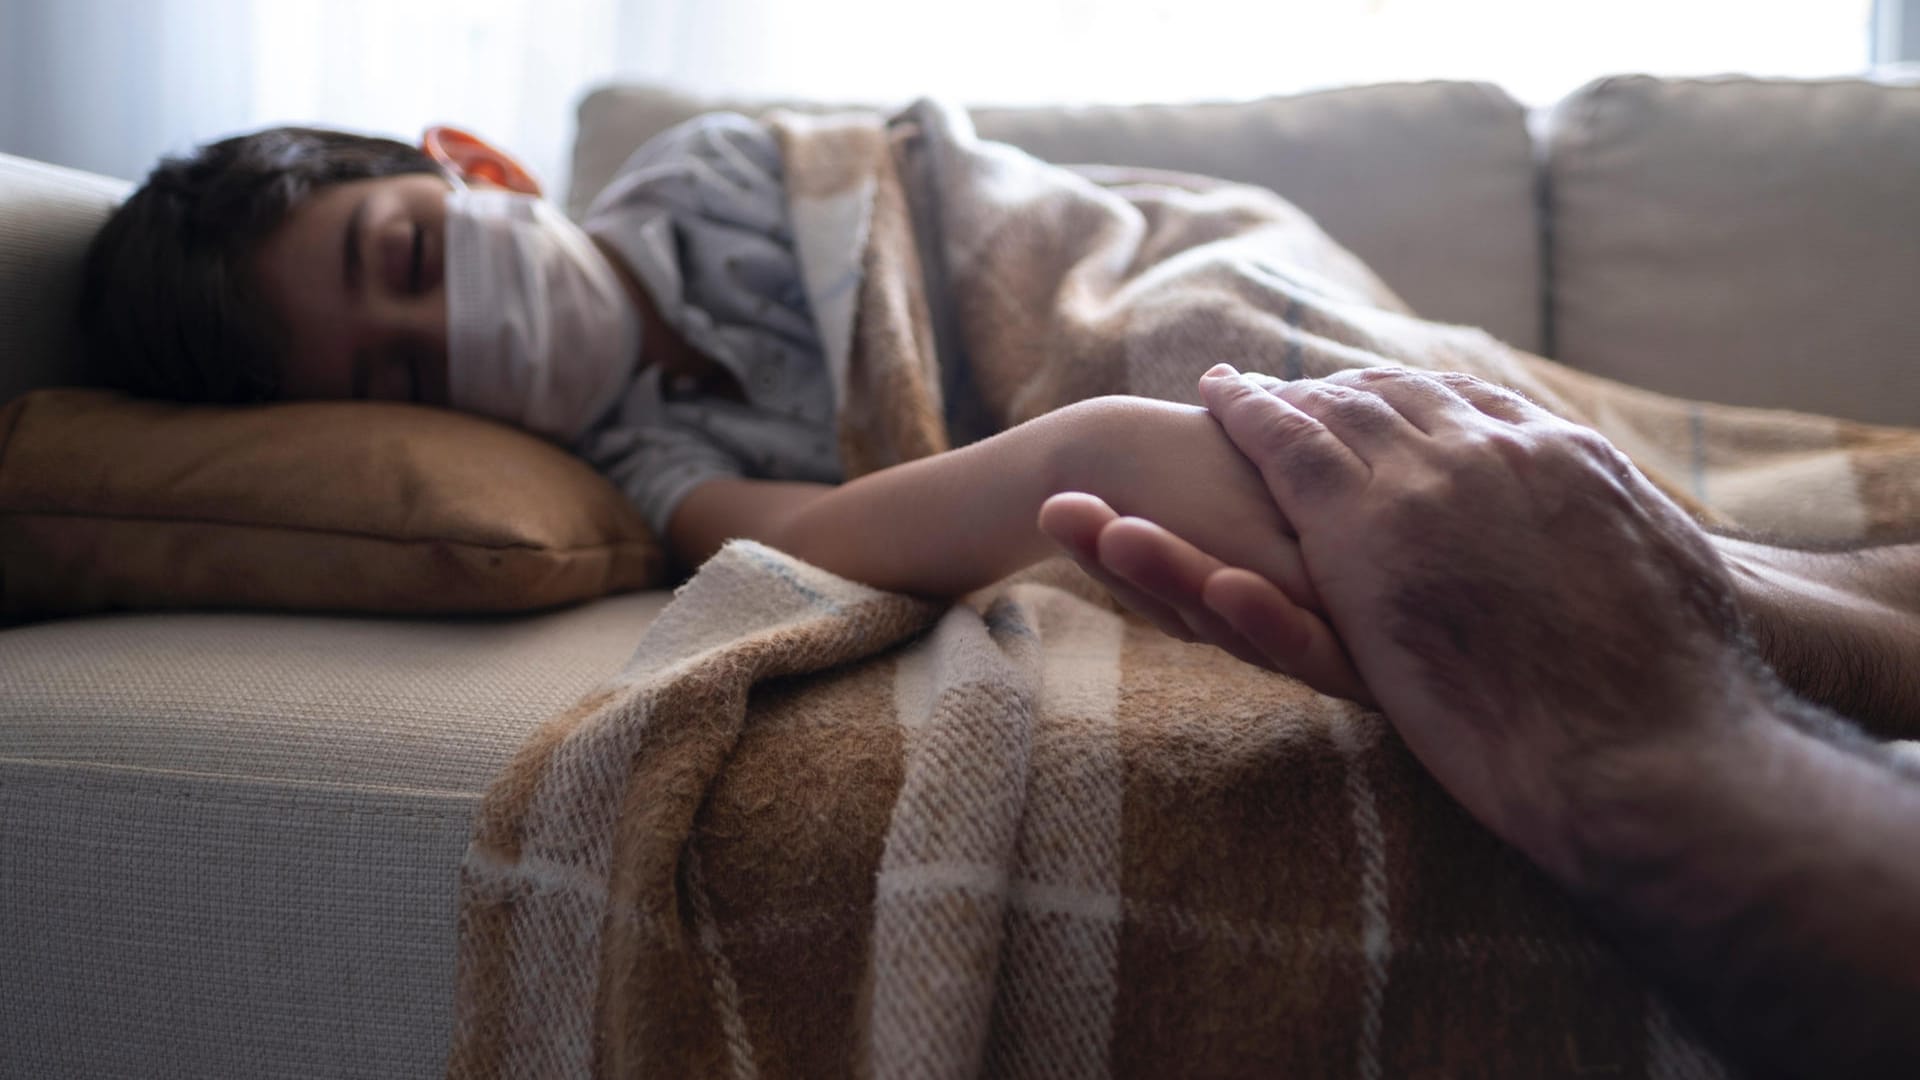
(476, 160)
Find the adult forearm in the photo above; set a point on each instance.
(1768, 883)
(1841, 628)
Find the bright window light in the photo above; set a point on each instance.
(1011, 51)
(117, 82)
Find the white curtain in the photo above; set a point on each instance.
(1018, 51)
(109, 85)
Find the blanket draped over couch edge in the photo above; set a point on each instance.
(815, 829)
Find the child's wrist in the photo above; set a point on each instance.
(1080, 453)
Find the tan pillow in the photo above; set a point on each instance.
(108, 502)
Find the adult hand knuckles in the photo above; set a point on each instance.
(1362, 412)
(1572, 450)
(1374, 375)
(1315, 397)
(1260, 425)
(1460, 380)
(1476, 389)
(1504, 444)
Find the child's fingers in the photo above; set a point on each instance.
(1287, 637)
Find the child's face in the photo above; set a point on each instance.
(355, 274)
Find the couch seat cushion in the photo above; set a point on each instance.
(231, 841)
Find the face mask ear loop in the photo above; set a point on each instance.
(454, 178)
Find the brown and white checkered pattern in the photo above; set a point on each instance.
(1023, 837)
(816, 829)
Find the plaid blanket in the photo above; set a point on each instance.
(815, 829)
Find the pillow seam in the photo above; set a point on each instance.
(6, 437)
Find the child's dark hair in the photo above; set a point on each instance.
(168, 306)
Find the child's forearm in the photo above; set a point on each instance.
(955, 522)
(943, 525)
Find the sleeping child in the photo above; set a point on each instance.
(667, 339)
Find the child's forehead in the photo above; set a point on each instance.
(417, 184)
(309, 248)
(326, 211)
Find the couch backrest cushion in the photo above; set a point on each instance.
(1433, 184)
(1742, 240)
(47, 215)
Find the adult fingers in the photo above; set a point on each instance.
(1073, 520)
(1159, 564)
(1269, 383)
(1423, 400)
(1286, 636)
(1302, 463)
(1491, 398)
(1164, 579)
(1360, 418)
(1076, 521)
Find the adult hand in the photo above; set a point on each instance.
(1159, 573)
(1559, 645)
(1129, 455)
(1520, 601)
(1161, 577)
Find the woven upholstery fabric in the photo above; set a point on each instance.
(1749, 241)
(229, 843)
(1431, 184)
(47, 215)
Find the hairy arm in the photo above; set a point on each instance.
(1840, 627)
(1766, 878)
(1572, 670)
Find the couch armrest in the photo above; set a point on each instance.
(47, 215)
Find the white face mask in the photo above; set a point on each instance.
(540, 331)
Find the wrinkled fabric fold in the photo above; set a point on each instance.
(814, 829)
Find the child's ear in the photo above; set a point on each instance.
(476, 160)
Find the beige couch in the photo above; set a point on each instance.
(228, 841)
